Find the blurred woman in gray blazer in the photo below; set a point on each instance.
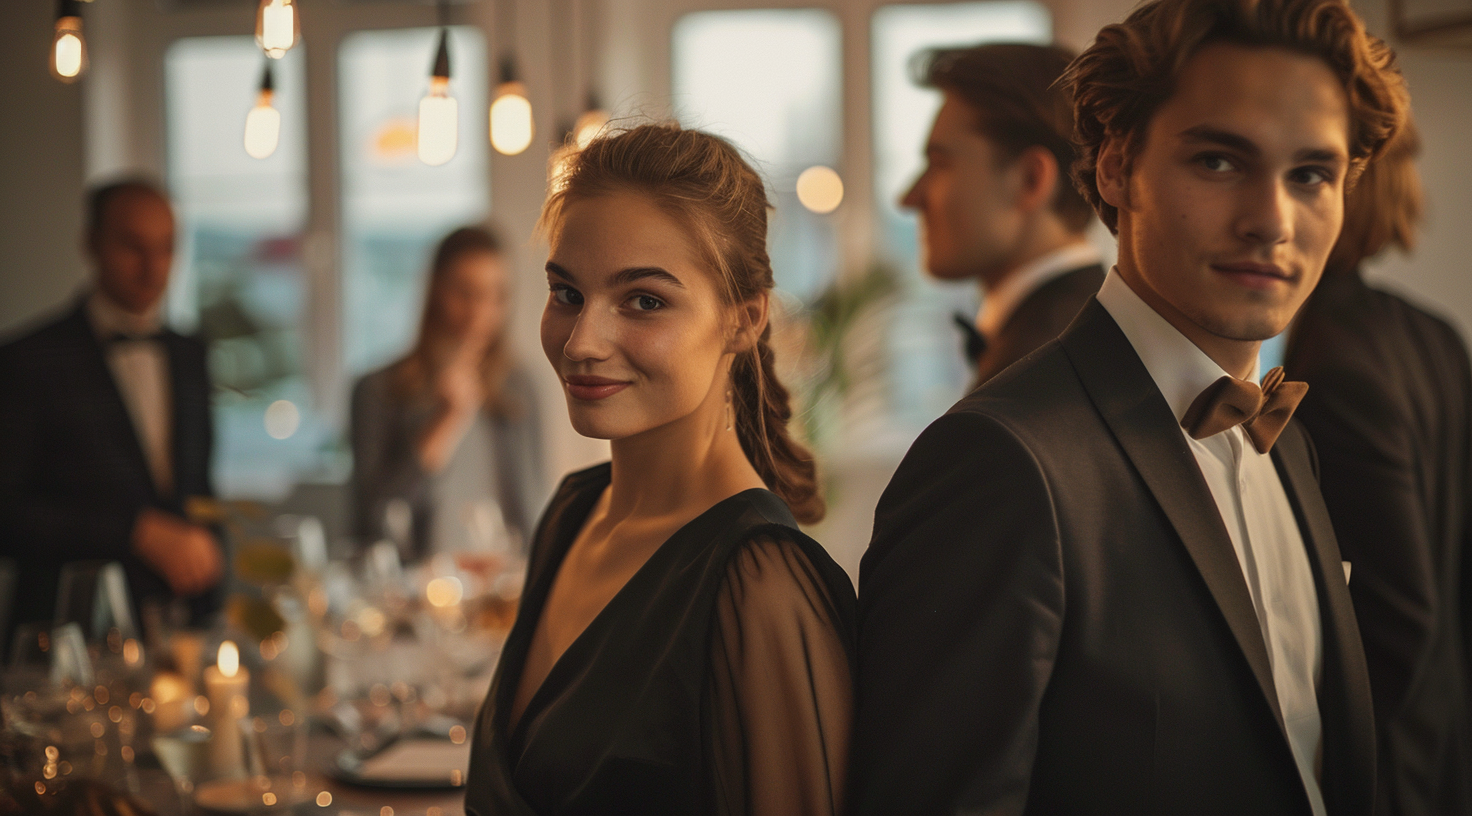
(452, 429)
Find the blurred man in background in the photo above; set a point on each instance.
(996, 201)
(1390, 408)
(105, 427)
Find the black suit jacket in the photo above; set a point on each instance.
(1053, 618)
(1390, 405)
(1040, 317)
(73, 476)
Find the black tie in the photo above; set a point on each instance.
(973, 341)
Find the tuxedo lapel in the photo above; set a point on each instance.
(102, 391)
(1344, 692)
(189, 419)
(1129, 402)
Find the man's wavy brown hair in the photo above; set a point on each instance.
(1130, 71)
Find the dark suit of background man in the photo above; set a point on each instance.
(105, 424)
(1390, 408)
(1085, 593)
(995, 201)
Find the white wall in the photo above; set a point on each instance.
(40, 170)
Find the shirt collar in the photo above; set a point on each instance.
(109, 319)
(1180, 370)
(1003, 299)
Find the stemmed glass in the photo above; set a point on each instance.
(185, 754)
(94, 596)
(45, 683)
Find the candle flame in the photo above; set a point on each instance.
(228, 659)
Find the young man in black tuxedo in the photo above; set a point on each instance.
(1093, 588)
(1390, 410)
(995, 201)
(105, 426)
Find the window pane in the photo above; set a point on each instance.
(238, 273)
(394, 207)
(928, 372)
(769, 80)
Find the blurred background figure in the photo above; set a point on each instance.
(996, 201)
(105, 429)
(446, 441)
(1389, 407)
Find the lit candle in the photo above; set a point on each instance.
(227, 683)
(171, 698)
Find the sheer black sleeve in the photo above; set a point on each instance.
(778, 704)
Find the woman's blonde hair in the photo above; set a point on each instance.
(414, 373)
(703, 183)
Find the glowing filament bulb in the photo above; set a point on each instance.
(68, 50)
(589, 125)
(277, 27)
(228, 660)
(439, 123)
(511, 119)
(262, 128)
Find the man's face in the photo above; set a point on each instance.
(1236, 195)
(967, 200)
(133, 250)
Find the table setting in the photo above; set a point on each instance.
(327, 685)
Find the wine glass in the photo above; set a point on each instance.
(49, 709)
(185, 755)
(94, 596)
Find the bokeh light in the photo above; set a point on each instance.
(820, 189)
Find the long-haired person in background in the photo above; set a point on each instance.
(451, 430)
(1390, 408)
(681, 647)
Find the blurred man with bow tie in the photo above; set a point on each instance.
(995, 201)
(1106, 580)
(105, 427)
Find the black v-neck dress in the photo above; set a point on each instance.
(717, 680)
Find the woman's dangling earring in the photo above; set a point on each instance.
(729, 411)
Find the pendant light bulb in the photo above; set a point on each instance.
(278, 27)
(263, 123)
(439, 113)
(588, 126)
(511, 114)
(68, 46)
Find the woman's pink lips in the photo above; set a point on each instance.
(586, 387)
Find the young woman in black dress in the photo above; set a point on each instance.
(681, 647)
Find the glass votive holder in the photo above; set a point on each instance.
(274, 748)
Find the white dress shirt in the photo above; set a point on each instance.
(140, 368)
(1258, 519)
(998, 304)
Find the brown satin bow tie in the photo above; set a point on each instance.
(1263, 412)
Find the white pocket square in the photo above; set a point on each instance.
(1346, 566)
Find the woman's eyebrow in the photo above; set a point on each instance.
(637, 273)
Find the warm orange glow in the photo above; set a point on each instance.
(820, 189)
(228, 659)
(511, 119)
(68, 50)
(277, 27)
(589, 125)
(444, 592)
